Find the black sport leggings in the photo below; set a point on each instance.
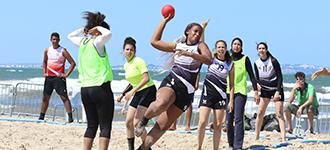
(99, 106)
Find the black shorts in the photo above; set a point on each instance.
(57, 83)
(144, 97)
(211, 98)
(183, 99)
(270, 94)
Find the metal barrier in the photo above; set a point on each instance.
(324, 117)
(28, 97)
(25, 99)
(6, 98)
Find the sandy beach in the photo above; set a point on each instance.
(25, 135)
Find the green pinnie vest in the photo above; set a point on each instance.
(240, 84)
(93, 69)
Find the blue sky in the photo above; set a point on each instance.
(297, 31)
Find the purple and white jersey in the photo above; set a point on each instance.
(187, 68)
(267, 74)
(217, 75)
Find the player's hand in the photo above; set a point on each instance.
(119, 98)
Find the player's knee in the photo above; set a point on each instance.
(90, 132)
(161, 104)
(261, 113)
(64, 98)
(46, 98)
(202, 123)
(105, 132)
(161, 126)
(287, 108)
(279, 114)
(217, 125)
(129, 123)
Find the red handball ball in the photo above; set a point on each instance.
(167, 10)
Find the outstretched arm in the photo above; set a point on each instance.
(156, 41)
(322, 72)
(204, 25)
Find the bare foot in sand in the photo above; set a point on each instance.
(187, 129)
(173, 127)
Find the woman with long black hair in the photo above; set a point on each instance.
(269, 77)
(214, 93)
(95, 76)
(177, 89)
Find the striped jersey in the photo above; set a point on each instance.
(187, 68)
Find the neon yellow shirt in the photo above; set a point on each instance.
(134, 70)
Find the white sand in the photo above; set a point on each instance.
(39, 136)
